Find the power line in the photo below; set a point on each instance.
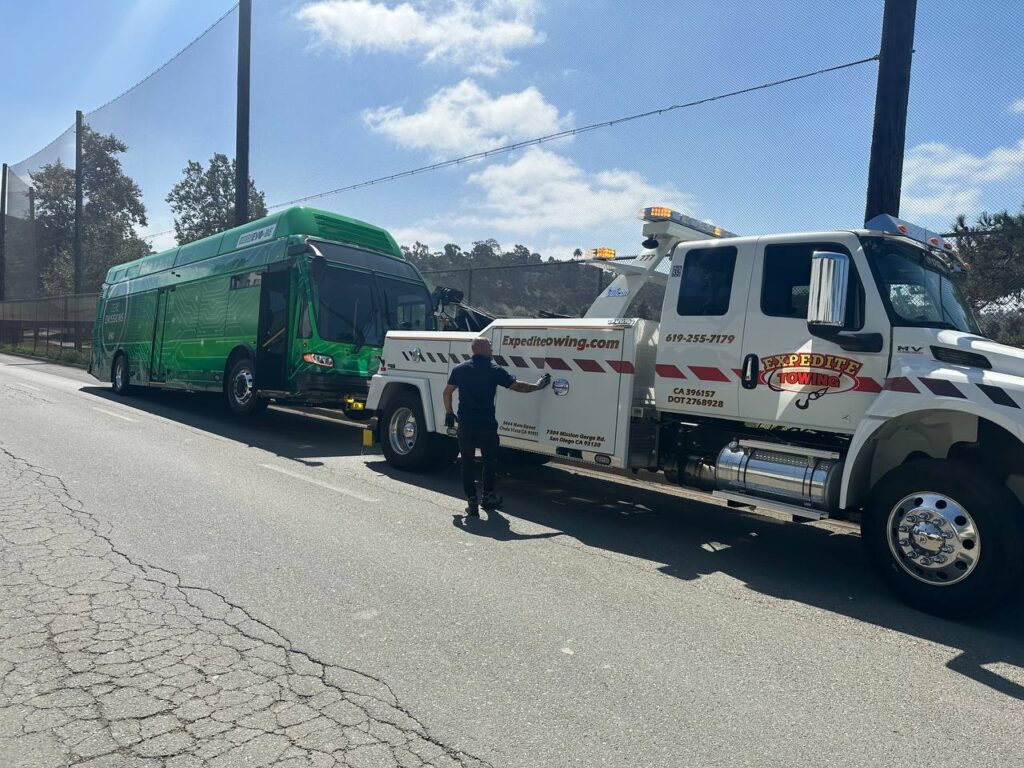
(559, 135)
(571, 132)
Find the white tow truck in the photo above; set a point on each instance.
(823, 374)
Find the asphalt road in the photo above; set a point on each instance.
(592, 623)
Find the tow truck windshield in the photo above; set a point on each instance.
(917, 287)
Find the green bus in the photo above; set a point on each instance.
(292, 307)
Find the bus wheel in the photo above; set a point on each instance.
(241, 389)
(946, 538)
(119, 380)
(404, 438)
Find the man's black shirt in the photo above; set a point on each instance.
(478, 380)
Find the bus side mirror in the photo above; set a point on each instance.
(830, 278)
(317, 262)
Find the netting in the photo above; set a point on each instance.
(40, 216)
(148, 138)
(136, 148)
(357, 107)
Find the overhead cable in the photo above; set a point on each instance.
(558, 135)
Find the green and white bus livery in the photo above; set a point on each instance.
(292, 307)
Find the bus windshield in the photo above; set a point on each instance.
(917, 287)
(406, 305)
(358, 307)
(346, 307)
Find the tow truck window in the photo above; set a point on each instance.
(706, 283)
(786, 282)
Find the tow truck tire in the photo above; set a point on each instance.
(119, 376)
(946, 538)
(406, 443)
(240, 389)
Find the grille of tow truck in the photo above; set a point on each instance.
(961, 357)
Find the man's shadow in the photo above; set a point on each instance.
(495, 525)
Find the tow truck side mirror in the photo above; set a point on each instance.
(826, 304)
(830, 278)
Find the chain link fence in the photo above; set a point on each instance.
(57, 327)
(553, 288)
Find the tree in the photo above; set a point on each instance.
(55, 226)
(112, 209)
(994, 248)
(203, 202)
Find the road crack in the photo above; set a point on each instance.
(107, 661)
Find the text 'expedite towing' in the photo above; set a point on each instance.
(820, 374)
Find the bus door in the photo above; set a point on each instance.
(157, 371)
(272, 338)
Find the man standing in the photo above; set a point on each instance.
(477, 381)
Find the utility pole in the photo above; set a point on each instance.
(242, 114)
(3, 228)
(76, 253)
(889, 136)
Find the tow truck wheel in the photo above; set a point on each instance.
(946, 538)
(404, 437)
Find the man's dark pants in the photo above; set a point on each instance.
(469, 441)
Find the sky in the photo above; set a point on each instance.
(351, 90)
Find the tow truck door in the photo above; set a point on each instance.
(803, 380)
(698, 362)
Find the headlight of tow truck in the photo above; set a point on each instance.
(324, 361)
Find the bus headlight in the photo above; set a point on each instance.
(325, 361)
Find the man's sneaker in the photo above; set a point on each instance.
(472, 508)
(492, 500)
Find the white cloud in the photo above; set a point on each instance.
(941, 181)
(476, 35)
(543, 191)
(465, 118)
(428, 235)
(548, 203)
(1017, 107)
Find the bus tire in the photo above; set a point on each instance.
(404, 439)
(240, 388)
(946, 538)
(120, 381)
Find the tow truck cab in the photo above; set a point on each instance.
(822, 374)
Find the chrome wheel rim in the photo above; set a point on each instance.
(402, 431)
(119, 374)
(242, 387)
(933, 538)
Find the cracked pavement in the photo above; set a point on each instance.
(593, 624)
(110, 663)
